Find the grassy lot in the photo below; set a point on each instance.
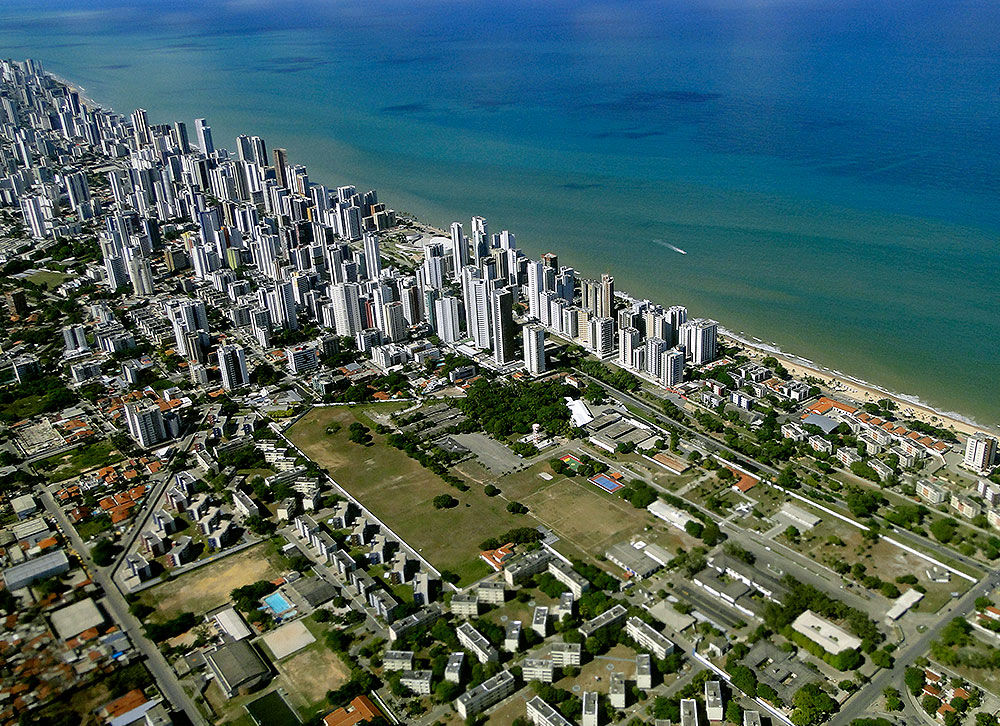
(83, 458)
(48, 278)
(399, 491)
(584, 515)
(208, 587)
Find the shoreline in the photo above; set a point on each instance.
(858, 389)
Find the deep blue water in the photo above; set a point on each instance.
(831, 168)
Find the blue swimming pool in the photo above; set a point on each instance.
(278, 603)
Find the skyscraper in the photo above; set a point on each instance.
(446, 319)
(281, 167)
(534, 349)
(233, 367)
(502, 315)
(459, 249)
(204, 134)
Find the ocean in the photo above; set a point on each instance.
(830, 167)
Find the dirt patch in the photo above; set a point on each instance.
(313, 672)
(208, 587)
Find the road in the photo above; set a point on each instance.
(858, 705)
(164, 675)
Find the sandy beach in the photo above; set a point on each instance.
(862, 392)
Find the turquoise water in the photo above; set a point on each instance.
(830, 168)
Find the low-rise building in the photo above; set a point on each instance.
(713, 701)
(643, 671)
(397, 660)
(474, 641)
(540, 620)
(616, 690)
(512, 636)
(518, 570)
(577, 583)
(648, 638)
(591, 703)
(453, 670)
(465, 605)
(492, 593)
(612, 616)
(565, 655)
(417, 681)
(541, 713)
(537, 669)
(486, 694)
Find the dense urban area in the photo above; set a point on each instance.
(274, 453)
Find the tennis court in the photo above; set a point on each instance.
(606, 483)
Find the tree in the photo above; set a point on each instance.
(103, 553)
(445, 501)
(812, 705)
(792, 533)
(734, 714)
(516, 508)
(914, 680)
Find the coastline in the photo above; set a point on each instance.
(859, 390)
(855, 388)
(84, 98)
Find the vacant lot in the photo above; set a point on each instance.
(309, 674)
(83, 458)
(399, 491)
(208, 587)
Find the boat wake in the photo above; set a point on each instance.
(669, 246)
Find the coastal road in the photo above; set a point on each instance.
(858, 705)
(164, 675)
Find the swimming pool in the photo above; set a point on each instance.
(278, 603)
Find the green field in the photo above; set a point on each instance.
(399, 491)
(83, 458)
(48, 278)
(272, 710)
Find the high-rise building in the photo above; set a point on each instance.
(459, 249)
(140, 127)
(502, 316)
(181, 137)
(346, 308)
(281, 305)
(145, 423)
(393, 323)
(606, 297)
(141, 276)
(233, 367)
(654, 349)
(980, 451)
(534, 349)
(700, 340)
(281, 167)
(629, 340)
(477, 313)
(446, 319)
(373, 257)
(672, 367)
(536, 286)
(204, 133)
(602, 336)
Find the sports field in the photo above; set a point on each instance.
(399, 491)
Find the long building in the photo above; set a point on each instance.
(486, 694)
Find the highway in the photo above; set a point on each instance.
(164, 675)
